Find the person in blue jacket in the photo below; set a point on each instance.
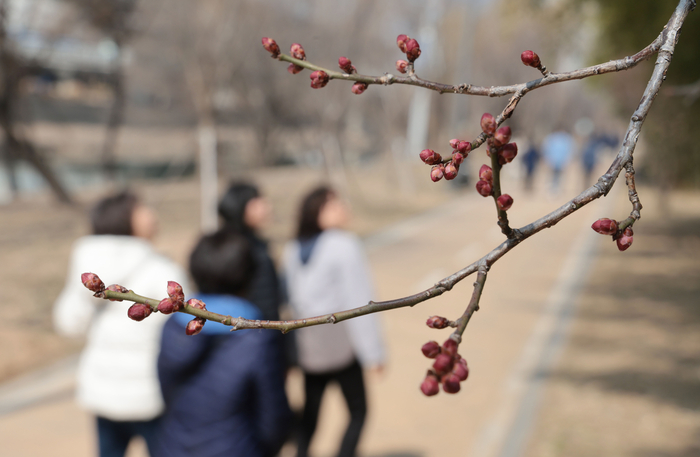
(223, 391)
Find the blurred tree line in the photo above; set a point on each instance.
(626, 26)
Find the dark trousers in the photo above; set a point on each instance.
(114, 436)
(353, 387)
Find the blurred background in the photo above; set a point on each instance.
(578, 349)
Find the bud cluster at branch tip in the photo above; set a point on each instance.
(531, 59)
(319, 79)
(409, 46)
(449, 368)
(271, 46)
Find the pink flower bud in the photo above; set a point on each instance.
(450, 347)
(412, 50)
(92, 282)
(431, 349)
(464, 147)
(437, 322)
(454, 143)
(401, 42)
(488, 124)
(504, 202)
(443, 363)
(625, 241)
(457, 159)
(502, 136)
(346, 65)
(430, 157)
(166, 306)
(605, 226)
(358, 88)
(461, 369)
(450, 383)
(401, 66)
(486, 173)
(194, 326)
(508, 153)
(430, 385)
(139, 311)
(199, 304)
(297, 51)
(294, 68)
(117, 288)
(271, 46)
(175, 291)
(319, 79)
(484, 188)
(450, 171)
(437, 172)
(530, 59)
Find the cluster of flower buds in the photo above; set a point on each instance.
(449, 368)
(607, 226)
(175, 300)
(298, 53)
(271, 46)
(484, 186)
(460, 150)
(319, 79)
(197, 324)
(408, 45)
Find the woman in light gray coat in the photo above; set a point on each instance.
(326, 271)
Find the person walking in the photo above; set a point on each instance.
(326, 270)
(224, 391)
(117, 378)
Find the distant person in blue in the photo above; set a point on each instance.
(530, 160)
(589, 157)
(557, 149)
(223, 391)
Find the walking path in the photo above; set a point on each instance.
(521, 314)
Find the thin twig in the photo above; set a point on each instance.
(633, 197)
(502, 215)
(472, 307)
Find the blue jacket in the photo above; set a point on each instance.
(224, 391)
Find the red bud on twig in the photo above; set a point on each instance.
(401, 66)
(464, 147)
(199, 304)
(430, 385)
(502, 136)
(401, 42)
(117, 288)
(443, 363)
(454, 143)
(194, 326)
(358, 88)
(450, 383)
(450, 171)
(461, 369)
(605, 226)
(450, 347)
(139, 311)
(504, 202)
(294, 68)
(530, 59)
(319, 79)
(484, 188)
(431, 349)
(412, 50)
(625, 241)
(166, 306)
(457, 158)
(92, 282)
(430, 157)
(507, 153)
(437, 172)
(175, 292)
(297, 51)
(271, 46)
(437, 322)
(346, 65)
(486, 173)
(488, 124)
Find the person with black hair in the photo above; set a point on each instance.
(326, 271)
(117, 378)
(224, 391)
(245, 212)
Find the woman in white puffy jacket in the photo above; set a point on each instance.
(326, 271)
(117, 376)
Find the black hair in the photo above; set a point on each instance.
(232, 206)
(310, 209)
(222, 263)
(112, 215)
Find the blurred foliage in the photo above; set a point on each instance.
(626, 26)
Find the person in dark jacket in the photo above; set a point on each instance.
(223, 391)
(245, 212)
